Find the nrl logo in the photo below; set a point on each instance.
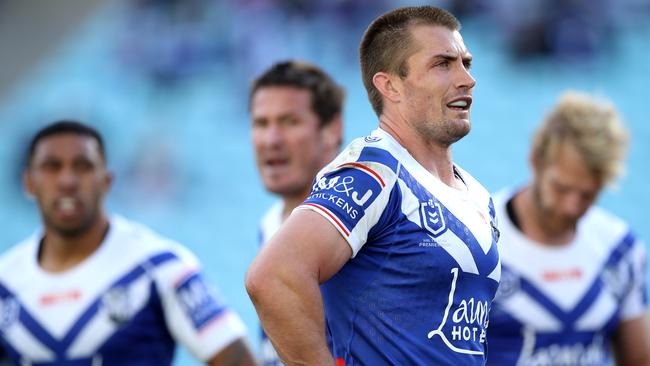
(431, 218)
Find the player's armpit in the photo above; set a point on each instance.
(235, 354)
(632, 342)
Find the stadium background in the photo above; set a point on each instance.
(166, 82)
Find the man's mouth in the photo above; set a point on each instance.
(276, 162)
(460, 104)
(67, 205)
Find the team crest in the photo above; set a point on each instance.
(616, 279)
(431, 218)
(117, 305)
(509, 284)
(9, 310)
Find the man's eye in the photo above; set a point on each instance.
(50, 166)
(443, 64)
(289, 121)
(259, 123)
(83, 165)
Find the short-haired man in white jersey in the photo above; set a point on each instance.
(91, 288)
(296, 130)
(573, 281)
(392, 258)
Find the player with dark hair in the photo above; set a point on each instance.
(91, 288)
(392, 258)
(296, 130)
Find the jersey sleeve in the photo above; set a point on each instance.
(352, 197)
(635, 301)
(196, 315)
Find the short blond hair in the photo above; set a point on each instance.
(593, 126)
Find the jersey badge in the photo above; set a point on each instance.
(9, 311)
(432, 219)
(117, 304)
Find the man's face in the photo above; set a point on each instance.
(438, 87)
(563, 190)
(68, 178)
(289, 143)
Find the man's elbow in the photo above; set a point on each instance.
(257, 282)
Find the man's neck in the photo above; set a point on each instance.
(59, 253)
(433, 156)
(532, 224)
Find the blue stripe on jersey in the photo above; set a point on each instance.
(590, 296)
(485, 267)
(621, 249)
(127, 279)
(493, 212)
(377, 155)
(60, 347)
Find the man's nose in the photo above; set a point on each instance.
(465, 78)
(68, 178)
(273, 135)
(573, 205)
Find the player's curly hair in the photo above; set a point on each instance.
(590, 124)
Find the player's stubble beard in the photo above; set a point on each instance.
(549, 221)
(443, 131)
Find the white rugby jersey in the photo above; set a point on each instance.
(269, 225)
(425, 265)
(126, 304)
(559, 305)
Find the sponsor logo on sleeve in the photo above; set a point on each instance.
(198, 301)
(346, 194)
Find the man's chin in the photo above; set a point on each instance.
(68, 227)
(285, 190)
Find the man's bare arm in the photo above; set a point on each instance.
(283, 283)
(632, 342)
(236, 354)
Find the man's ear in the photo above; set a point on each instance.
(332, 133)
(108, 181)
(388, 85)
(536, 162)
(28, 184)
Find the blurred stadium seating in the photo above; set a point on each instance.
(166, 82)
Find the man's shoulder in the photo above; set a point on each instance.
(606, 228)
(18, 254)
(374, 155)
(603, 221)
(143, 242)
(504, 194)
(271, 221)
(377, 147)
